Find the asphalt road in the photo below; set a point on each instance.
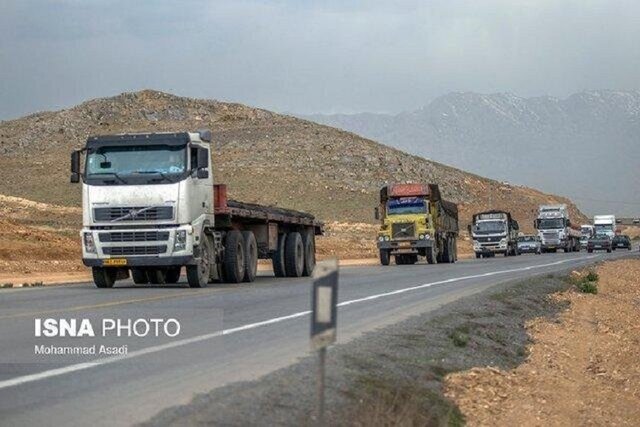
(227, 334)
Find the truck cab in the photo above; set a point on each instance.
(494, 232)
(605, 224)
(555, 229)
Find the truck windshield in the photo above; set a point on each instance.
(603, 228)
(135, 162)
(406, 205)
(554, 223)
(489, 227)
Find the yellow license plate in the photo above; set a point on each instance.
(115, 261)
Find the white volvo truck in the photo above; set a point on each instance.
(150, 208)
(555, 229)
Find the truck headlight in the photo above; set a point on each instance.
(421, 237)
(89, 243)
(180, 242)
(387, 238)
(381, 238)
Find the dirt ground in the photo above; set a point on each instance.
(39, 242)
(582, 368)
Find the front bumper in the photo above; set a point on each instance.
(409, 246)
(489, 247)
(143, 261)
(138, 247)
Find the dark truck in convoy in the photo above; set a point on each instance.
(150, 208)
(416, 221)
(494, 232)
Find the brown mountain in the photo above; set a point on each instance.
(264, 157)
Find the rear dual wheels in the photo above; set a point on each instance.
(295, 255)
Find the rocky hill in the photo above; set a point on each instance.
(263, 156)
(584, 146)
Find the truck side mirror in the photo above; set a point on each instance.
(376, 213)
(203, 158)
(75, 167)
(202, 174)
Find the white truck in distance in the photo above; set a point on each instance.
(149, 208)
(586, 232)
(555, 230)
(605, 224)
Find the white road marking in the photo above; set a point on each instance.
(154, 349)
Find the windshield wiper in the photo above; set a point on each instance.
(121, 179)
(162, 174)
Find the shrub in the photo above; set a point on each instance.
(592, 276)
(588, 287)
(460, 336)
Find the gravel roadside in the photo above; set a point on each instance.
(391, 376)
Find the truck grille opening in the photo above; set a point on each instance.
(488, 239)
(135, 250)
(134, 236)
(148, 213)
(404, 230)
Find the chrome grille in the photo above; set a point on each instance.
(136, 213)
(134, 250)
(403, 230)
(134, 236)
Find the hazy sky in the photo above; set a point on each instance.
(312, 56)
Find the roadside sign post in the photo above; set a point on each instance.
(324, 301)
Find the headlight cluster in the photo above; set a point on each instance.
(180, 242)
(424, 237)
(383, 238)
(89, 243)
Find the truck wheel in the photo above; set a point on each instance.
(385, 257)
(277, 258)
(139, 276)
(250, 256)
(309, 244)
(294, 255)
(450, 254)
(432, 257)
(172, 275)
(234, 257)
(478, 255)
(198, 275)
(104, 277)
(399, 259)
(412, 259)
(157, 276)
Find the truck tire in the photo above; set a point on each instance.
(478, 255)
(309, 244)
(412, 259)
(277, 259)
(294, 255)
(432, 257)
(198, 274)
(250, 256)
(234, 257)
(385, 257)
(104, 277)
(450, 256)
(139, 276)
(157, 276)
(172, 275)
